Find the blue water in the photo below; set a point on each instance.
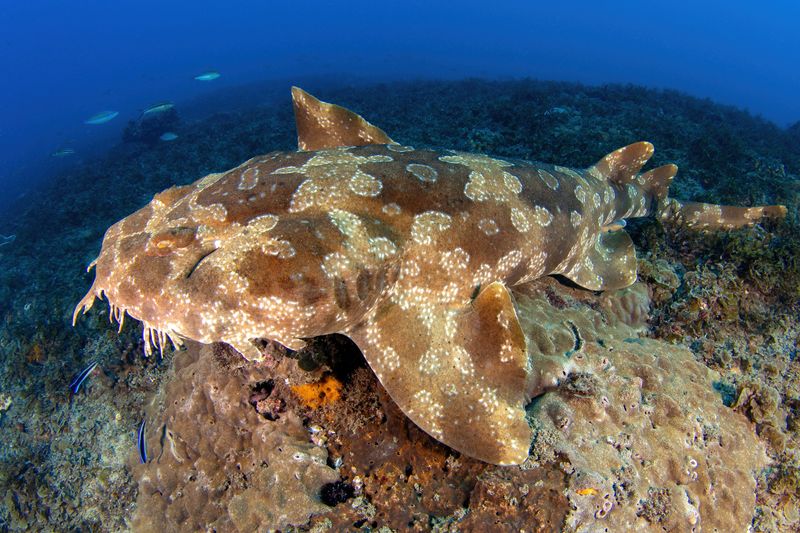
(61, 62)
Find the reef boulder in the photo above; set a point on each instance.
(635, 422)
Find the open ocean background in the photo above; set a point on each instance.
(61, 62)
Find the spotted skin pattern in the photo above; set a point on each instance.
(409, 252)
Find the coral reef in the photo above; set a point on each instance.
(647, 438)
(68, 464)
(216, 463)
(5, 402)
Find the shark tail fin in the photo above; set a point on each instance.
(700, 216)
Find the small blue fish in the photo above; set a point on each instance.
(208, 76)
(615, 226)
(81, 376)
(141, 442)
(158, 108)
(101, 117)
(168, 136)
(63, 152)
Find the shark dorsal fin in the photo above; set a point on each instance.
(621, 166)
(656, 182)
(321, 125)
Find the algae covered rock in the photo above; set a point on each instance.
(216, 463)
(636, 423)
(630, 434)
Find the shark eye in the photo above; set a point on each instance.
(166, 242)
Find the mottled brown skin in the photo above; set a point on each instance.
(410, 253)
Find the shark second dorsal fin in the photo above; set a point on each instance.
(321, 125)
(621, 166)
(460, 376)
(656, 182)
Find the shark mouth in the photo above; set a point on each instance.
(197, 264)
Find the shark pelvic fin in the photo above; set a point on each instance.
(461, 376)
(621, 166)
(321, 125)
(609, 264)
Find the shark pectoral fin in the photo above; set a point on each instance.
(622, 165)
(459, 375)
(700, 216)
(321, 125)
(609, 264)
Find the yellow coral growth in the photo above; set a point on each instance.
(35, 354)
(323, 392)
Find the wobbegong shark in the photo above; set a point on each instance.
(411, 253)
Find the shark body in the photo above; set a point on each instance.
(411, 253)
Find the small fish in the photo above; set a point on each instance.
(7, 239)
(141, 442)
(102, 117)
(81, 376)
(614, 226)
(62, 152)
(168, 136)
(211, 75)
(158, 108)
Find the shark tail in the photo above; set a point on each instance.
(622, 168)
(700, 216)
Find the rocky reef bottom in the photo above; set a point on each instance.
(671, 405)
(630, 435)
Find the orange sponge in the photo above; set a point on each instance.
(323, 392)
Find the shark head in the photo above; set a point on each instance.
(197, 263)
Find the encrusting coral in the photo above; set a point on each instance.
(215, 463)
(323, 392)
(629, 434)
(647, 438)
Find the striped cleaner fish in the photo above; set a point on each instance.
(409, 252)
(80, 377)
(141, 441)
